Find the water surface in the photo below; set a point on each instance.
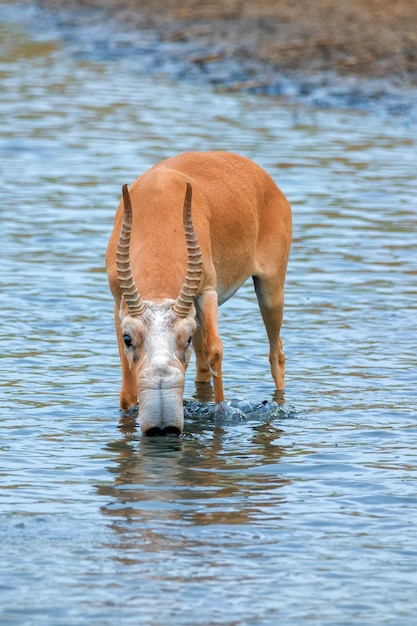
(305, 516)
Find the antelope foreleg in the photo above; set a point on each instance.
(208, 342)
(128, 392)
(203, 374)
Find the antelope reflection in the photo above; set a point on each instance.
(162, 486)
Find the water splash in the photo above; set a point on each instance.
(236, 410)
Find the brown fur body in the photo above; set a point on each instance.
(243, 226)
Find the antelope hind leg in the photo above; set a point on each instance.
(271, 303)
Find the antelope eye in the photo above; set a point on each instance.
(128, 341)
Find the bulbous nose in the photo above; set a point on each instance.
(162, 376)
(161, 411)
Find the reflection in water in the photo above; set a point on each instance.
(200, 479)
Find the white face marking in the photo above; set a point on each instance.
(157, 346)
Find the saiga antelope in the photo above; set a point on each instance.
(172, 261)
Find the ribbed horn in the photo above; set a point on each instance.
(195, 264)
(127, 284)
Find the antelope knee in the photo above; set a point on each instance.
(214, 355)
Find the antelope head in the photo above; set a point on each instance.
(157, 336)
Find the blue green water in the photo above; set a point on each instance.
(307, 516)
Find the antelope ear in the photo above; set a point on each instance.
(130, 293)
(189, 290)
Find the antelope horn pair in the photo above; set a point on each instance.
(127, 284)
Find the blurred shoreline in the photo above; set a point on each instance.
(361, 54)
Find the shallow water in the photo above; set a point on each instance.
(303, 515)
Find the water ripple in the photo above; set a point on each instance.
(303, 515)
